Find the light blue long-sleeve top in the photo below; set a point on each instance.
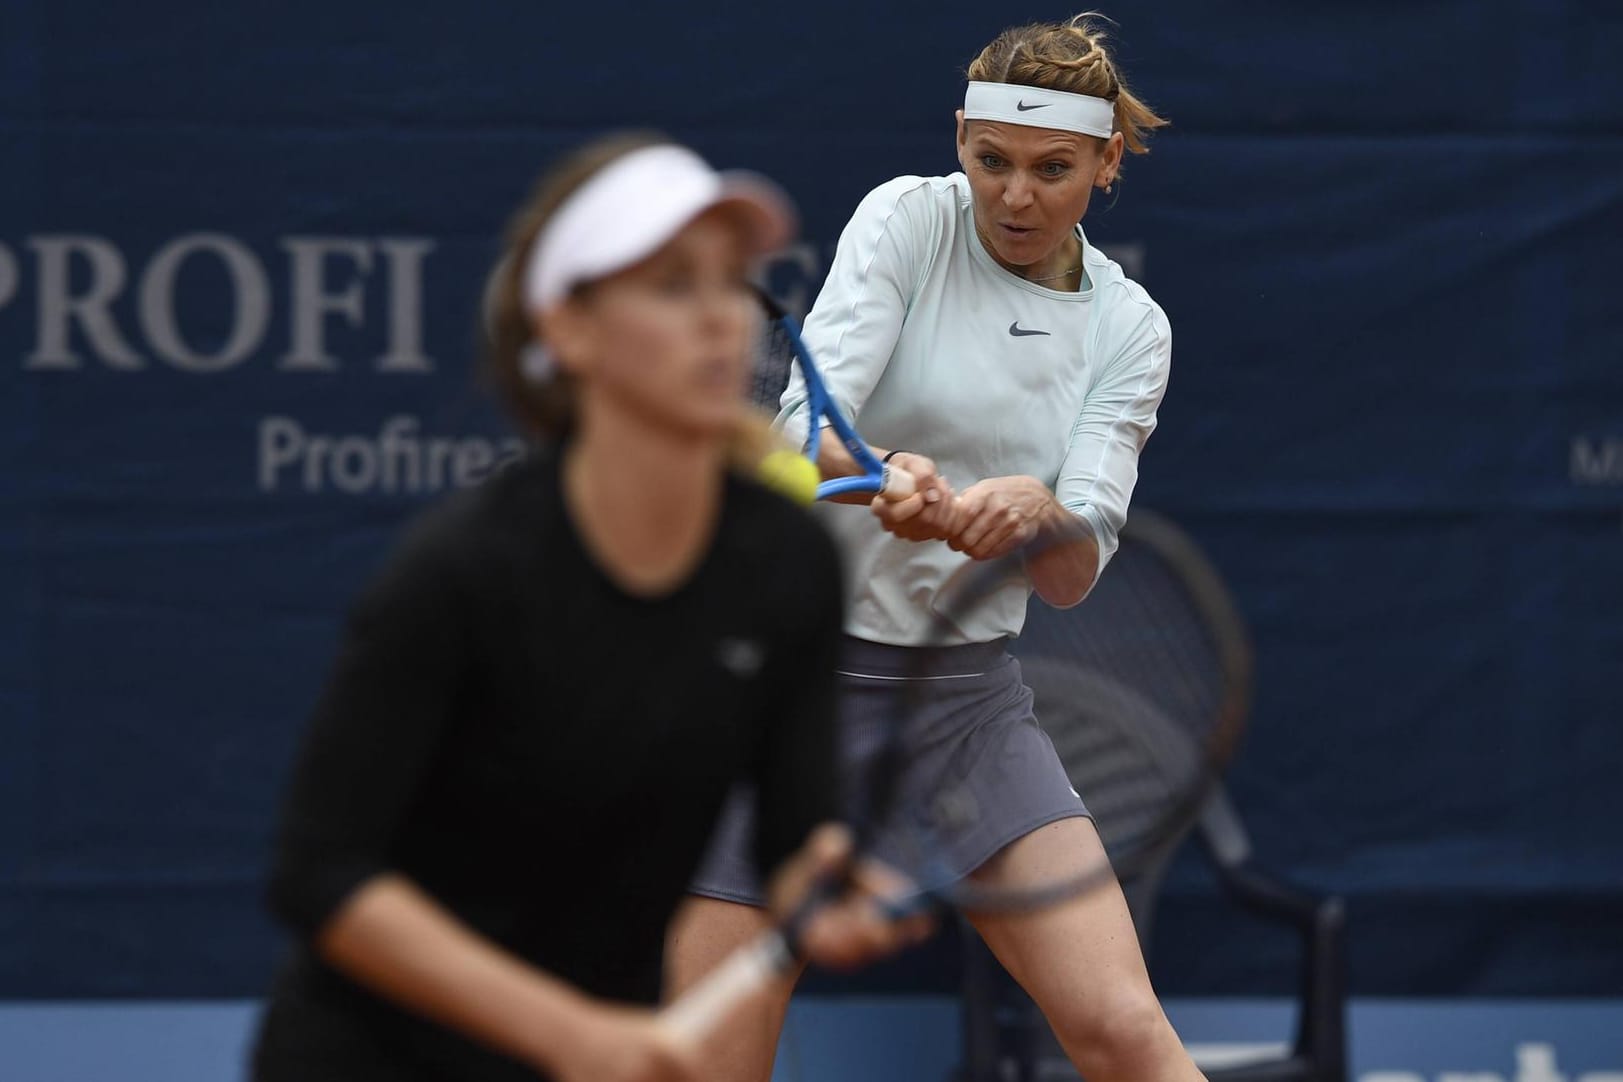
(930, 345)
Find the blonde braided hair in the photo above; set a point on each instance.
(1070, 57)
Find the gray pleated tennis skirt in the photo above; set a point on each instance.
(970, 732)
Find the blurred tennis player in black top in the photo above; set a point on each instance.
(542, 700)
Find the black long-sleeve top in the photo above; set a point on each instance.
(546, 754)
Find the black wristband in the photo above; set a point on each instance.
(892, 454)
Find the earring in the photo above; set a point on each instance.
(1110, 186)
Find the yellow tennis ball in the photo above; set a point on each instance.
(792, 474)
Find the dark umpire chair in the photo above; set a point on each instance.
(1155, 650)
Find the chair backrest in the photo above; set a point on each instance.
(1138, 675)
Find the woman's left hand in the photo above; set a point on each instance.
(998, 515)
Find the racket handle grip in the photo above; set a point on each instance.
(706, 1005)
(897, 483)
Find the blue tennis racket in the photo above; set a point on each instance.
(784, 350)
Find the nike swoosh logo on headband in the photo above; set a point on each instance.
(1020, 332)
(1024, 108)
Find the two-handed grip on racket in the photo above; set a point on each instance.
(705, 1007)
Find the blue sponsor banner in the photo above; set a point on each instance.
(241, 253)
(916, 1038)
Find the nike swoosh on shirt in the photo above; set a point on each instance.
(1024, 108)
(1020, 332)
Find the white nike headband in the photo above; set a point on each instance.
(633, 206)
(1036, 107)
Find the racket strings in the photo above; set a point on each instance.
(1204, 685)
(1134, 689)
(1143, 630)
(1131, 774)
(1146, 636)
(774, 360)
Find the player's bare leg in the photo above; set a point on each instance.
(1081, 963)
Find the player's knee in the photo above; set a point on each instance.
(1115, 1037)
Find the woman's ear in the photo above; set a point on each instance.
(566, 332)
(1110, 161)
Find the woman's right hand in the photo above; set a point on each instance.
(622, 1044)
(927, 515)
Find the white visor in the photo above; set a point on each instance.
(633, 206)
(1010, 103)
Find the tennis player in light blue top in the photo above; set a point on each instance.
(1015, 371)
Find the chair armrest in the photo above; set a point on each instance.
(1321, 921)
(1255, 889)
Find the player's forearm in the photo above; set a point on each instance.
(1063, 561)
(399, 942)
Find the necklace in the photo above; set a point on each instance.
(987, 244)
(1061, 274)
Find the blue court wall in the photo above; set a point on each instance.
(240, 254)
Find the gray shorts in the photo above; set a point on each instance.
(974, 729)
